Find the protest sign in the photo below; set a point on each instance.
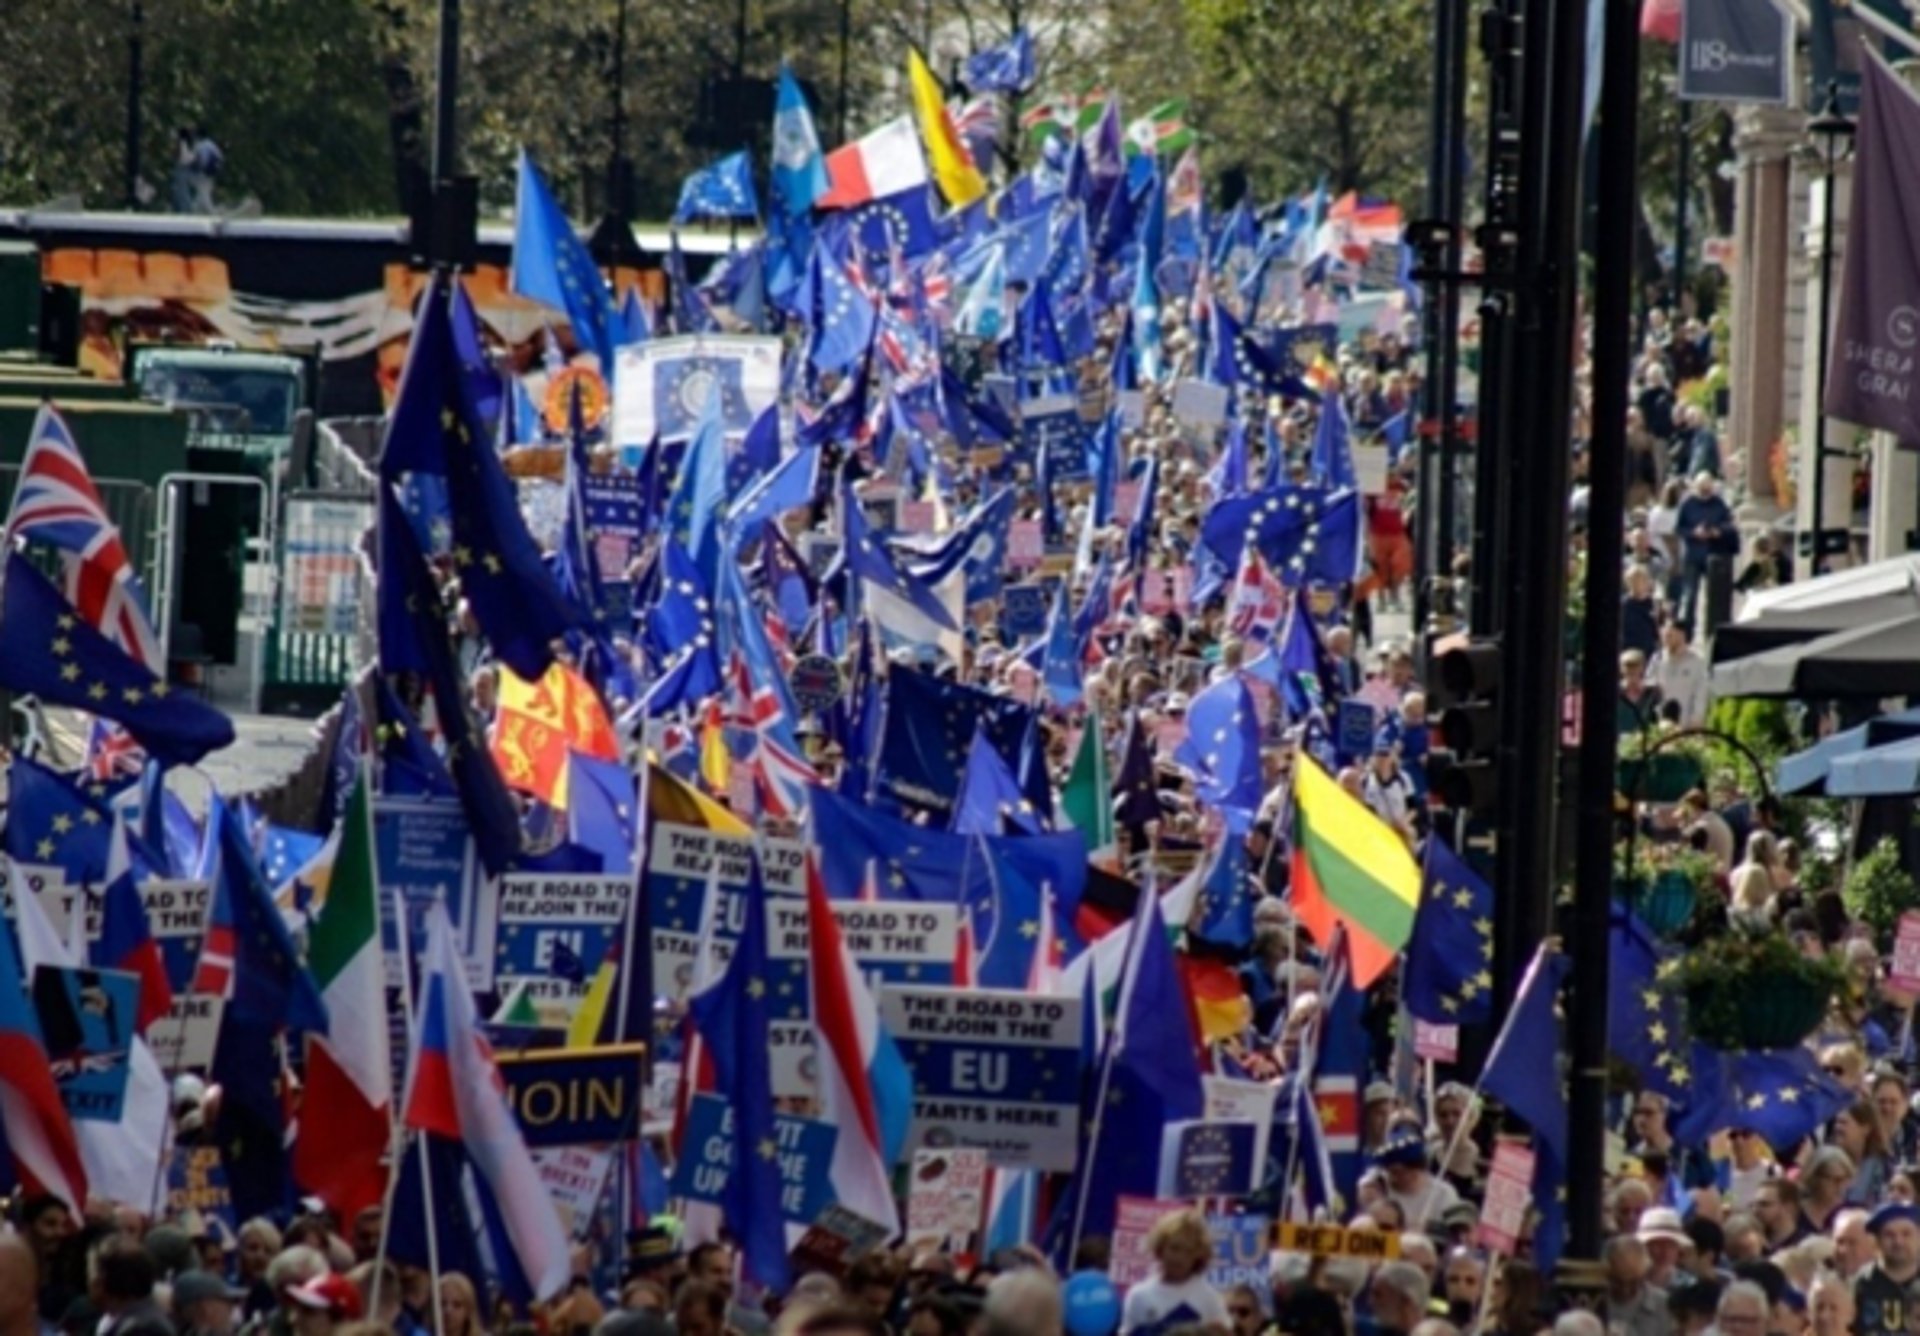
(660, 1104)
(1023, 610)
(197, 1185)
(996, 1070)
(615, 515)
(1355, 730)
(1366, 1245)
(945, 1192)
(577, 1178)
(1503, 1213)
(1200, 405)
(1241, 1253)
(892, 942)
(1370, 467)
(1026, 544)
(425, 855)
(183, 1040)
(176, 911)
(1903, 972)
(572, 1097)
(1207, 1159)
(1129, 1263)
(662, 386)
(1438, 1043)
(86, 1022)
(555, 930)
(1064, 435)
(805, 1152)
(1235, 1101)
(815, 682)
(680, 863)
(834, 1240)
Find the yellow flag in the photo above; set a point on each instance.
(960, 181)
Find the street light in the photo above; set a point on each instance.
(1833, 131)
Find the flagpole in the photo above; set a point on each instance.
(410, 1009)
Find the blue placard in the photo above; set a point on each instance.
(555, 929)
(1242, 1251)
(681, 860)
(197, 1181)
(575, 1097)
(1023, 610)
(86, 1019)
(707, 1151)
(1065, 436)
(1212, 1159)
(1356, 730)
(425, 854)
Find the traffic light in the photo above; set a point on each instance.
(1465, 686)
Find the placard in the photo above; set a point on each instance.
(86, 1023)
(425, 855)
(197, 1185)
(993, 1069)
(1503, 1213)
(183, 1040)
(1026, 544)
(1200, 404)
(1356, 719)
(662, 386)
(1366, 1245)
(815, 682)
(805, 1152)
(1241, 1254)
(575, 1097)
(1130, 1262)
(837, 1238)
(1903, 972)
(899, 941)
(555, 930)
(945, 1193)
(1229, 1100)
(1370, 467)
(1023, 610)
(1436, 1043)
(680, 862)
(176, 912)
(615, 514)
(1207, 1159)
(577, 1179)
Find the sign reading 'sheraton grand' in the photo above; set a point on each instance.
(1871, 375)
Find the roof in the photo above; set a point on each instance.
(199, 355)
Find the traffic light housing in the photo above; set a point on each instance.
(1464, 685)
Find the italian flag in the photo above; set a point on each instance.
(346, 1119)
(1087, 798)
(1350, 870)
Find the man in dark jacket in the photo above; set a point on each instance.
(1707, 528)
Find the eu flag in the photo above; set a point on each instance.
(678, 634)
(1523, 1073)
(1448, 976)
(52, 652)
(840, 317)
(551, 265)
(731, 1018)
(1305, 535)
(991, 795)
(700, 496)
(1224, 912)
(1006, 68)
(1331, 462)
(722, 189)
(928, 728)
(1781, 1094)
(1646, 1023)
(53, 821)
(1223, 745)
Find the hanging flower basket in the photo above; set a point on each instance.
(1662, 778)
(1669, 901)
(1752, 988)
(1664, 887)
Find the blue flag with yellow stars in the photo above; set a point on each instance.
(1222, 746)
(1447, 978)
(678, 634)
(731, 1015)
(552, 265)
(1646, 1023)
(1781, 1095)
(1305, 533)
(57, 822)
(51, 652)
(722, 189)
(699, 499)
(927, 729)
(1523, 1073)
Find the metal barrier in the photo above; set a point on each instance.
(257, 576)
(324, 621)
(129, 504)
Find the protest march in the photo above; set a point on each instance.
(906, 781)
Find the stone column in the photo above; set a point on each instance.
(1764, 140)
(1895, 511)
(1838, 501)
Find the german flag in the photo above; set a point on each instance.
(1350, 870)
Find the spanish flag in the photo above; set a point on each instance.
(960, 181)
(1350, 870)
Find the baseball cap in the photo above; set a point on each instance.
(328, 1293)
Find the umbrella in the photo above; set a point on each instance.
(1878, 772)
(1845, 600)
(1871, 661)
(1808, 772)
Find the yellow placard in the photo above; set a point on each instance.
(1366, 1245)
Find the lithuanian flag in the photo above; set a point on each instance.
(1350, 870)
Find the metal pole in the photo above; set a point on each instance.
(1682, 192)
(446, 94)
(1426, 527)
(616, 204)
(1617, 191)
(1831, 127)
(846, 41)
(1447, 372)
(135, 78)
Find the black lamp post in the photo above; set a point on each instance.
(1834, 131)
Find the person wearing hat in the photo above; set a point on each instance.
(322, 1303)
(1410, 1186)
(1881, 1292)
(1376, 1119)
(1665, 1236)
(205, 1304)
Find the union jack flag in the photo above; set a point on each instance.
(57, 504)
(112, 753)
(781, 774)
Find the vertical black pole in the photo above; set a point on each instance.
(1613, 285)
(136, 74)
(446, 94)
(618, 90)
(1437, 530)
(846, 41)
(1683, 193)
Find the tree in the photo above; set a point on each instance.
(1300, 90)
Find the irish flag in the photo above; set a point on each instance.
(1351, 870)
(346, 1121)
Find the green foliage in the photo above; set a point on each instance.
(1297, 90)
(1765, 726)
(1751, 987)
(1879, 890)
